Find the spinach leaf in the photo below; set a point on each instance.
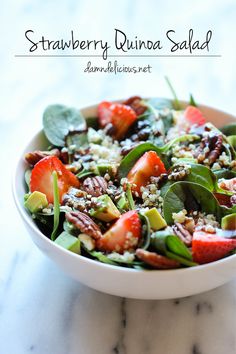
(160, 103)
(130, 197)
(224, 173)
(146, 232)
(199, 174)
(78, 139)
(192, 101)
(56, 217)
(190, 196)
(27, 177)
(92, 122)
(232, 141)
(171, 246)
(180, 259)
(59, 121)
(229, 129)
(101, 257)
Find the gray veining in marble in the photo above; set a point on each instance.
(42, 311)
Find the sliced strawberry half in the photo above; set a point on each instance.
(148, 165)
(119, 115)
(123, 235)
(194, 116)
(42, 181)
(208, 248)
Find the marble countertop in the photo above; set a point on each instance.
(43, 311)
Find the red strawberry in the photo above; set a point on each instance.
(208, 247)
(194, 116)
(148, 165)
(119, 115)
(123, 235)
(41, 177)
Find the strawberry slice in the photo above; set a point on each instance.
(194, 116)
(148, 165)
(41, 178)
(123, 235)
(119, 115)
(208, 247)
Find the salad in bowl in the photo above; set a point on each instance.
(144, 184)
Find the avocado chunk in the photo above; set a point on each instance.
(155, 219)
(36, 201)
(105, 209)
(105, 168)
(122, 203)
(228, 222)
(68, 242)
(232, 140)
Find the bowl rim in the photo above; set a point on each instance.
(93, 262)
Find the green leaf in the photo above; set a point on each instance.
(199, 174)
(146, 232)
(160, 103)
(192, 101)
(101, 257)
(77, 139)
(224, 173)
(176, 102)
(130, 197)
(171, 246)
(190, 196)
(27, 177)
(175, 245)
(84, 173)
(56, 218)
(92, 122)
(180, 259)
(59, 121)
(229, 129)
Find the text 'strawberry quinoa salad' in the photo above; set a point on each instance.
(146, 184)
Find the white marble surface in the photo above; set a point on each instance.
(42, 310)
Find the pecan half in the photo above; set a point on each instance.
(33, 157)
(95, 186)
(84, 223)
(182, 233)
(135, 103)
(210, 148)
(156, 260)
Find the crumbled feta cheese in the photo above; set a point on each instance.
(87, 241)
(126, 257)
(180, 216)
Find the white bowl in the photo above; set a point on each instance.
(131, 283)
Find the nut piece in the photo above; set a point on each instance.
(135, 103)
(33, 157)
(182, 233)
(156, 260)
(210, 148)
(95, 186)
(84, 223)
